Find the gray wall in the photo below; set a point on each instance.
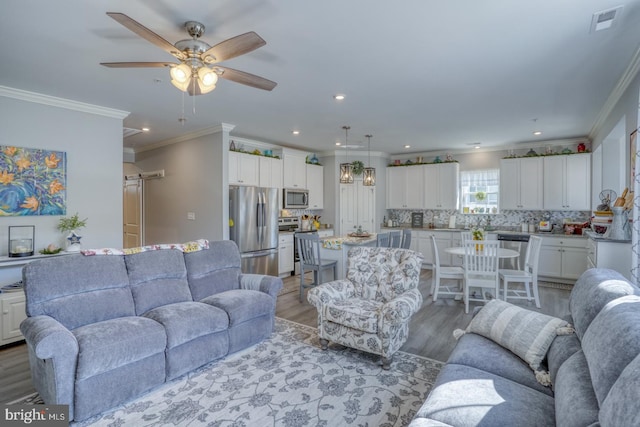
(93, 144)
(196, 180)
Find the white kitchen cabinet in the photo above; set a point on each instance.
(405, 187)
(357, 207)
(244, 169)
(444, 240)
(562, 258)
(13, 306)
(604, 253)
(325, 233)
(295, 170)
(285, 254)
(521, 184)
(270, 172)
(567, 182)
(440, 186)
(315, 185)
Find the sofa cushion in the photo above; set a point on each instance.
(466, 396)
(592, 291)
(611, 342)
(526, 333)
(104, 346)
(620, 408)
(77, 290)
(479, 352)
(186, 321)
(213, 270)
(576, 403)
(242, 304)
(356, 313)
(157, 278)
(562, 348)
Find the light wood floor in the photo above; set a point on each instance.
(430, 330)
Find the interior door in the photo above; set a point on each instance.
(132, 213)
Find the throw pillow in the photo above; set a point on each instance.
(526, 333)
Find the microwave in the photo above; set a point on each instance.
(295, 199)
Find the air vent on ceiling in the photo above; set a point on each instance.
(604, 19)
(127, 132)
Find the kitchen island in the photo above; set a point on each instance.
(337, 249)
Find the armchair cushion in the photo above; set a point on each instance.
(355, 313)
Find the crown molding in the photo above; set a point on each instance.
(222, 127)
(620, 88)
(53, 101)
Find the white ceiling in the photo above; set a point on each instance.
(439, 75)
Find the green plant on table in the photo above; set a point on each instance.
(477, 234)
(71, 223)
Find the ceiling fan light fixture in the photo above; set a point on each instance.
(181, 73)
(183, 86)
(207, 77)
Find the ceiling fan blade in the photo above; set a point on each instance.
(246, 78)
(137, 64)
(146, 34)
(235, 46)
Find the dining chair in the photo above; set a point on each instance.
(406, 238)
(465, 235)
(480, 270)
(439, 273)
(382, 240)
(310, 260)
(528, 276)
(395, 238)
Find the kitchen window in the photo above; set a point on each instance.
(479, 191)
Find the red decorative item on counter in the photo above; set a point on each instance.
(582, 148)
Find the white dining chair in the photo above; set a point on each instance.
(465, 235)
(527, 276)
(440, 273)
(480, 270)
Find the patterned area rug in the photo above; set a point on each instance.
(286, 380)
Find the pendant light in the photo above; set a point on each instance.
(369, 175)
(346, 169)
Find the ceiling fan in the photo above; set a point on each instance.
(198, 70)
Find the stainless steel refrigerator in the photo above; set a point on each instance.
(253, 225)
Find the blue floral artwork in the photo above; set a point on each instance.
(32, 181)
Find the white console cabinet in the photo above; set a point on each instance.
(13, 313)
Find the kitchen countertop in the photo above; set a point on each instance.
(494, 231)
(600, 238)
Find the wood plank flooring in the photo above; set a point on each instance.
(430, 330)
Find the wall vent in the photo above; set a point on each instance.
(605, 19)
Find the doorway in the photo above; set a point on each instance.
(133, 227)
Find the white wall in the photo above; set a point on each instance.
(93, 143)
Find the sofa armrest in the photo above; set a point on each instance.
(331, 291)
(261, 282)
(53, 355)
(399, 310)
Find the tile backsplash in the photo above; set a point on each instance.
(505, 219)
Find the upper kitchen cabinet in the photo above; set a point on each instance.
(405, 187)
(441, 186)
(270, 172)
(315, 185)
(567, 182)
(243, 169)
(521, 184)
(295, 169)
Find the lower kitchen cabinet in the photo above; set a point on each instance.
(285, 254)
(616, 255)
(421, 242)
(13, 313)
(562, 258)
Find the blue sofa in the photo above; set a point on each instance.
(595, 372)
(101, 330)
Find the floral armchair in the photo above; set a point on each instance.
(371, 308)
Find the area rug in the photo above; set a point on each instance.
(286, 380)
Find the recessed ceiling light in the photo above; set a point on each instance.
(339, 97)
(477, 146)
(407, 146)
(338, 144)
(145, 129)
(295, 132)
(537, 132)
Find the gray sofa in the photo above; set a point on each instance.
(595, 372)
(101, 330)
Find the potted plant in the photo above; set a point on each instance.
(72, 225)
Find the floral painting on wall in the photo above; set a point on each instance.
(32, 181)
